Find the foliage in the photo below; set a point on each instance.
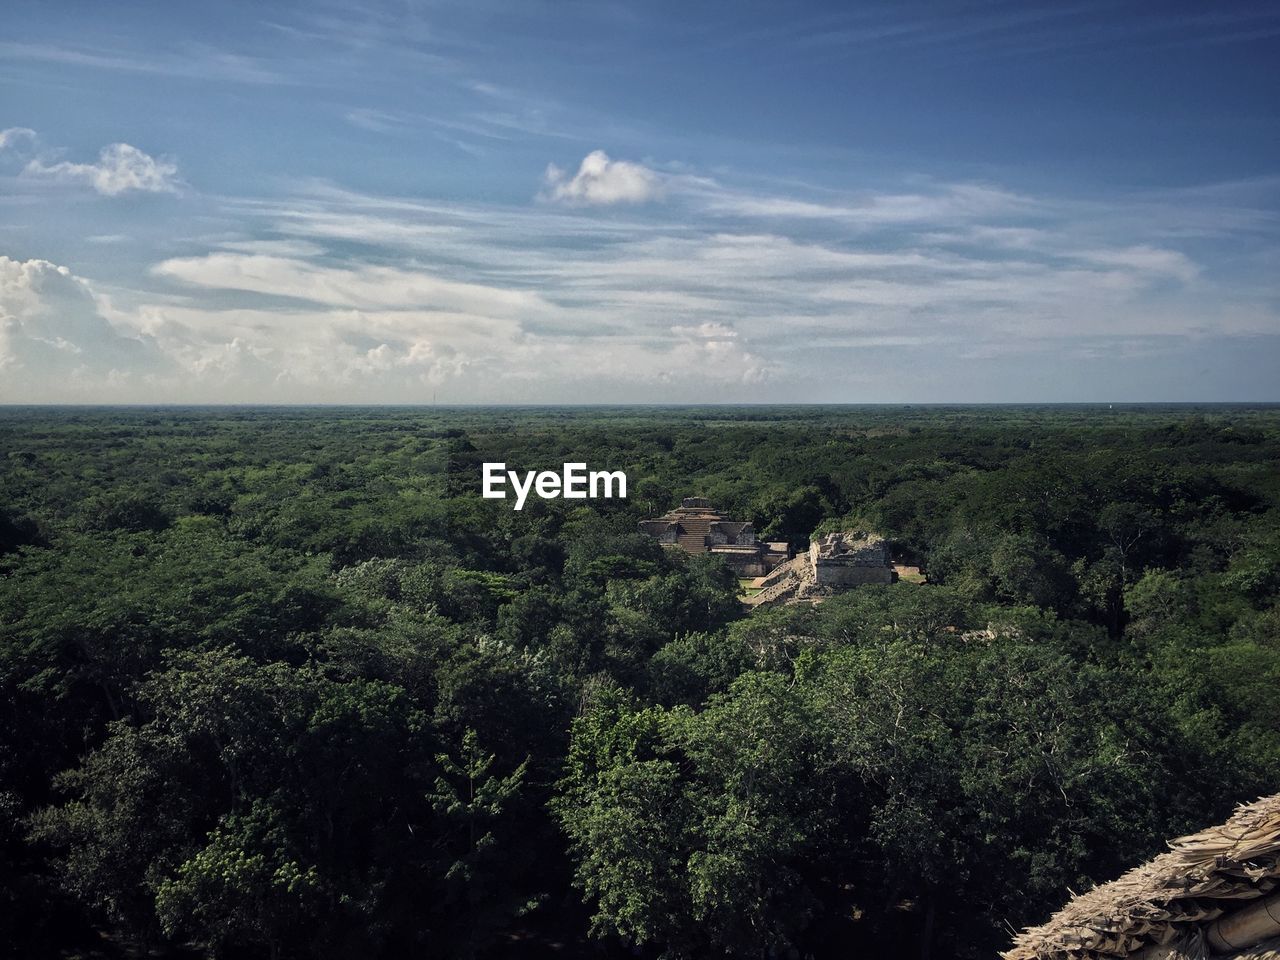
(280, 683)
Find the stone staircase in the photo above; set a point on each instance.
(785, 582)
(693, 534)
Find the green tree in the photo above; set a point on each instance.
(474, 806)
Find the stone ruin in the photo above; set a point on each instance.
(835, 562)
(697, 527)
(849, 559)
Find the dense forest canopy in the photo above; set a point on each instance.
(280, 683)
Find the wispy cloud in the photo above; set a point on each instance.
(967, 30)
(196, 62)
(121, 168)
(375, 121)
(14, 136)
(740, 290)
(461, 135)
(363, 287)
(945, 203)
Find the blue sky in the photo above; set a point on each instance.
(599, 202)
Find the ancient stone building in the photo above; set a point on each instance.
(696, 527)
(835, 562)
(850, 559)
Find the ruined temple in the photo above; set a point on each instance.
(849, 559)
(697, 527)
(835, 563)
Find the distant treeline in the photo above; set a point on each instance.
(279, 683)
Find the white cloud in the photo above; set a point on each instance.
(708, 330)
(945, 203)
(11, 137)
(392, 332)
(331, 295)
(278, 248)
(361, 287)
(1146, 259)
(601, 181)
(120, 168)
(989, 276)
(56, 343)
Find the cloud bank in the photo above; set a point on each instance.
(724, 292)
(57, 345)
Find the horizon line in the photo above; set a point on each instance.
(161, 405)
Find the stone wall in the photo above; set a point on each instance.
(734, 534)
(833, 564)
(661, 530)
(743, 562)
(850, 559)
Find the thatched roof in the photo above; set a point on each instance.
(1171, 907)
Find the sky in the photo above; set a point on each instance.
(606, 202)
